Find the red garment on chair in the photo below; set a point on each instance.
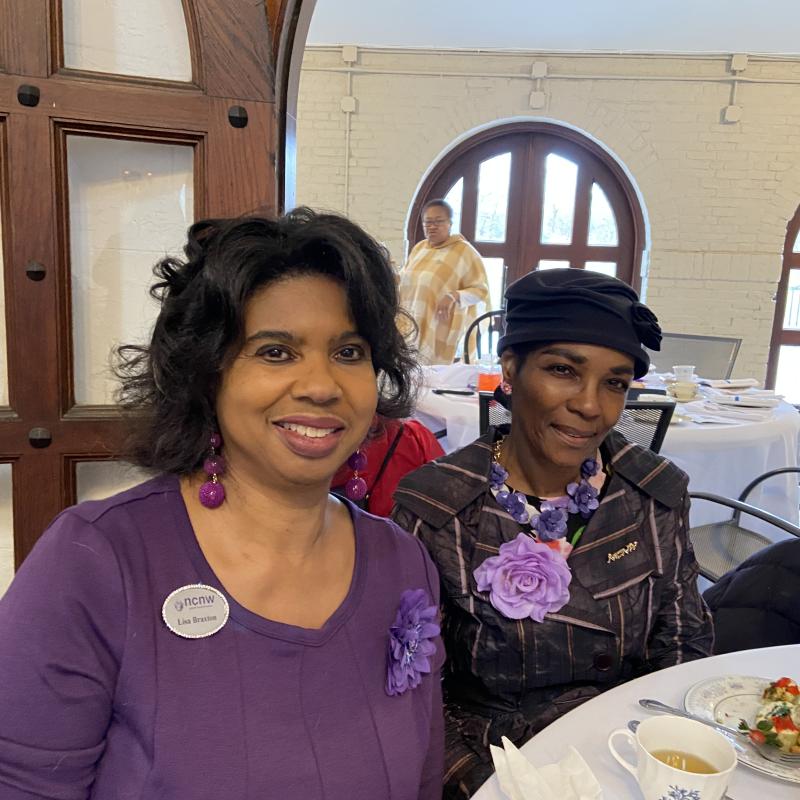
(416, 446)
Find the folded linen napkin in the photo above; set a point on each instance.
(450, 376)
(745, 399)
(709, 411)
(732, 383)
(567, 779)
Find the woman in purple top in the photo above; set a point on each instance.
(229, 629)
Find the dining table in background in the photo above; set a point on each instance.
(723, 459)
(719, 458)
(587, 727)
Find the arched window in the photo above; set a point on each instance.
(783, 369)
(533, 195)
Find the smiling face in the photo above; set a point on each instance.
(436, 224)
(566, 397)
(300, 396)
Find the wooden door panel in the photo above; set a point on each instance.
(233, 51)
(784, 336)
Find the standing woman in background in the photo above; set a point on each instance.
(229, 629)
(441, 285)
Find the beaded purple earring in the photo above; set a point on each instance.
(212, 492)
(356, 488)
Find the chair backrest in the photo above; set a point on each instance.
(491, 412)
(483, 333)
(712, 356)
(643, 423)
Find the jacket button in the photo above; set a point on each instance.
(602, 662)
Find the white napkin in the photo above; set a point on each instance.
(568, 779)
(733, 383)
(655, 398)
(747, 402)
(450, 376)
(708, 411)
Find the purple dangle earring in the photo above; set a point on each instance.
(212, 492)
(356, 488)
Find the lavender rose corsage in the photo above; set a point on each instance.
(411, 642)
(526, 579)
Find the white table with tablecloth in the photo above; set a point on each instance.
(721, 459)
(586, 728)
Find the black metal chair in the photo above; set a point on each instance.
(713, 356)
(488, 326)
(491, 412)
(643, 423)
(721, 546)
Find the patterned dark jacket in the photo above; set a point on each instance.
(634, 605)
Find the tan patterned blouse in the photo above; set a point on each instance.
(455, 267)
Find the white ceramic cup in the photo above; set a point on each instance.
(683, 372)
(659, 781)
(683, 391)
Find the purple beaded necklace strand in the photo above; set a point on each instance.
(550, 522)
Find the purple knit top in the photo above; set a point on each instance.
(99, 699)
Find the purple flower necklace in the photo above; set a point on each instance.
(529, 577)
(549, 522)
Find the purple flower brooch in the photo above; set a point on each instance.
(525, 579)
(411, 641)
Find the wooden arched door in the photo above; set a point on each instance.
(108, 151)
(783, 367)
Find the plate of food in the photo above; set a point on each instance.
(766, 711)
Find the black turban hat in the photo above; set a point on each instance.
(576, 305)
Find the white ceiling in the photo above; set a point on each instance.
(728, 26)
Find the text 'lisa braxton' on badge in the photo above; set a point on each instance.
(195, 611)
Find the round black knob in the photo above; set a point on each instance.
(603, 662)
(35, 271)
(237, 116)
(39, 438)
(28, 95)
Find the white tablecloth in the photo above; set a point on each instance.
(588, 726)
(721, 459)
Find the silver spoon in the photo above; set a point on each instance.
(634, 724)
(766, 751)
(657, 705)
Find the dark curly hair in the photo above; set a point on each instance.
(170, 385)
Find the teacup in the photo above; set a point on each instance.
(682, 391)
(678, 741)
(683, 372)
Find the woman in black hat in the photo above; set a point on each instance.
(562, 548)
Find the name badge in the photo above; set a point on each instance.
(195, 611)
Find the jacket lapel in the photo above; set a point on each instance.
(614, 552)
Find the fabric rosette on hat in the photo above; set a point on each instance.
(525, 579)
(578, 305)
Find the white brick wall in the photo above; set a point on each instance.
(717, 196)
